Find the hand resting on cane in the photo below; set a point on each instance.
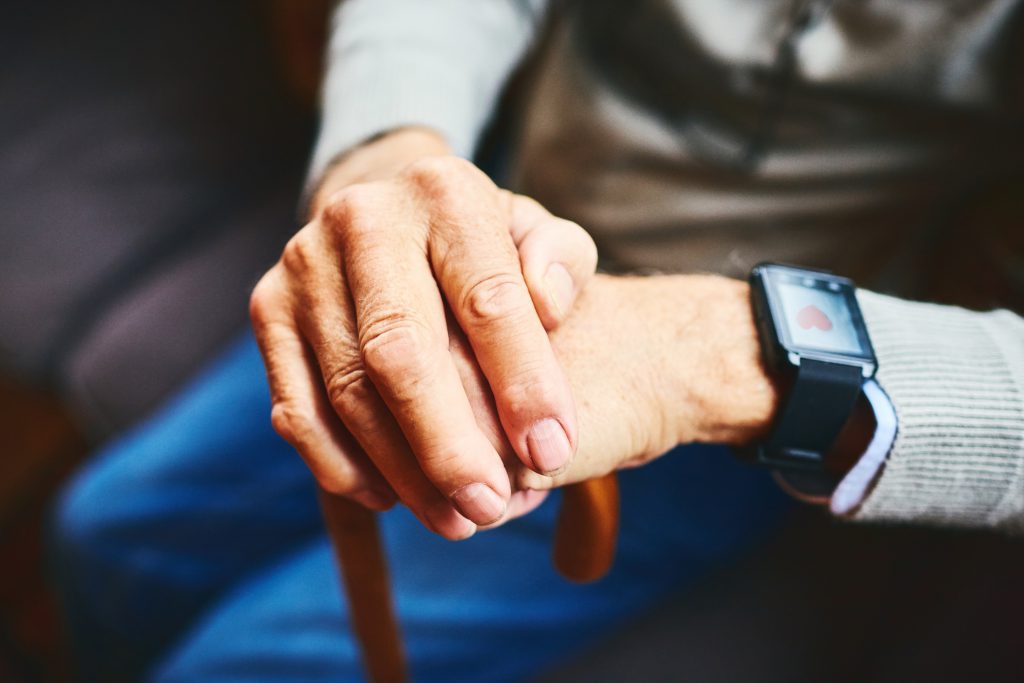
(352, 324)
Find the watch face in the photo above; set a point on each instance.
(818, 319)
(816, 314)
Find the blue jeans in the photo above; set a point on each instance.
(192, 550)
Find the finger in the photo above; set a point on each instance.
(479, 393)
(520, 504)
(300, 413)
(476, 262)
(404, 349)
(524, 501)
(324, 315)
(558, 258)
(380, 435)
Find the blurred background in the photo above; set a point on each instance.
(151, 161)
(151, 158)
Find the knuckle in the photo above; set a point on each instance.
(350, 211)
(432, 169)
(442, 462)
(443, 179)
(261, 301)
(338, 481)
(293, 423)
(298, 426)
(299, 254)
(494, 297)
(396, 346)
(349, 389)
(530, 392)
(448, 466)
(347, 204)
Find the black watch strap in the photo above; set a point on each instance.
(819, 404)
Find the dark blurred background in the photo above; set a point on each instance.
(151, 160)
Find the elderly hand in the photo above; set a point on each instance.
(353, 323)
(653, 362)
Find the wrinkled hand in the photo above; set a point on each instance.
(653, 362)
(353, 325)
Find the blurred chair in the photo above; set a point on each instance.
(151, 157)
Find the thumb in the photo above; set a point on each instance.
(558, 258)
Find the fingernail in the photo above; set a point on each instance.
(548, 446)
(558, 283)
(479, 503)
(375, 500)
(445, 520)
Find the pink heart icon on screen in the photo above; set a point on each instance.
(812, 316)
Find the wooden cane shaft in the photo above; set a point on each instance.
(360, 555)
(584, 549)
(588, 529)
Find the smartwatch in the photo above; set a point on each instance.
(813, 337)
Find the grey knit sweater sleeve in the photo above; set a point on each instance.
(434, 63)
(956, 380)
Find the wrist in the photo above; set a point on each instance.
(716, 378)
(378, 158)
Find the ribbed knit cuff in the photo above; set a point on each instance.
(956, 379)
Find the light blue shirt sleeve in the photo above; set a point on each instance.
(857, 483)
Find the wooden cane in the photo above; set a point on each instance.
(587, 529)
(364, 573)
(584, 548)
